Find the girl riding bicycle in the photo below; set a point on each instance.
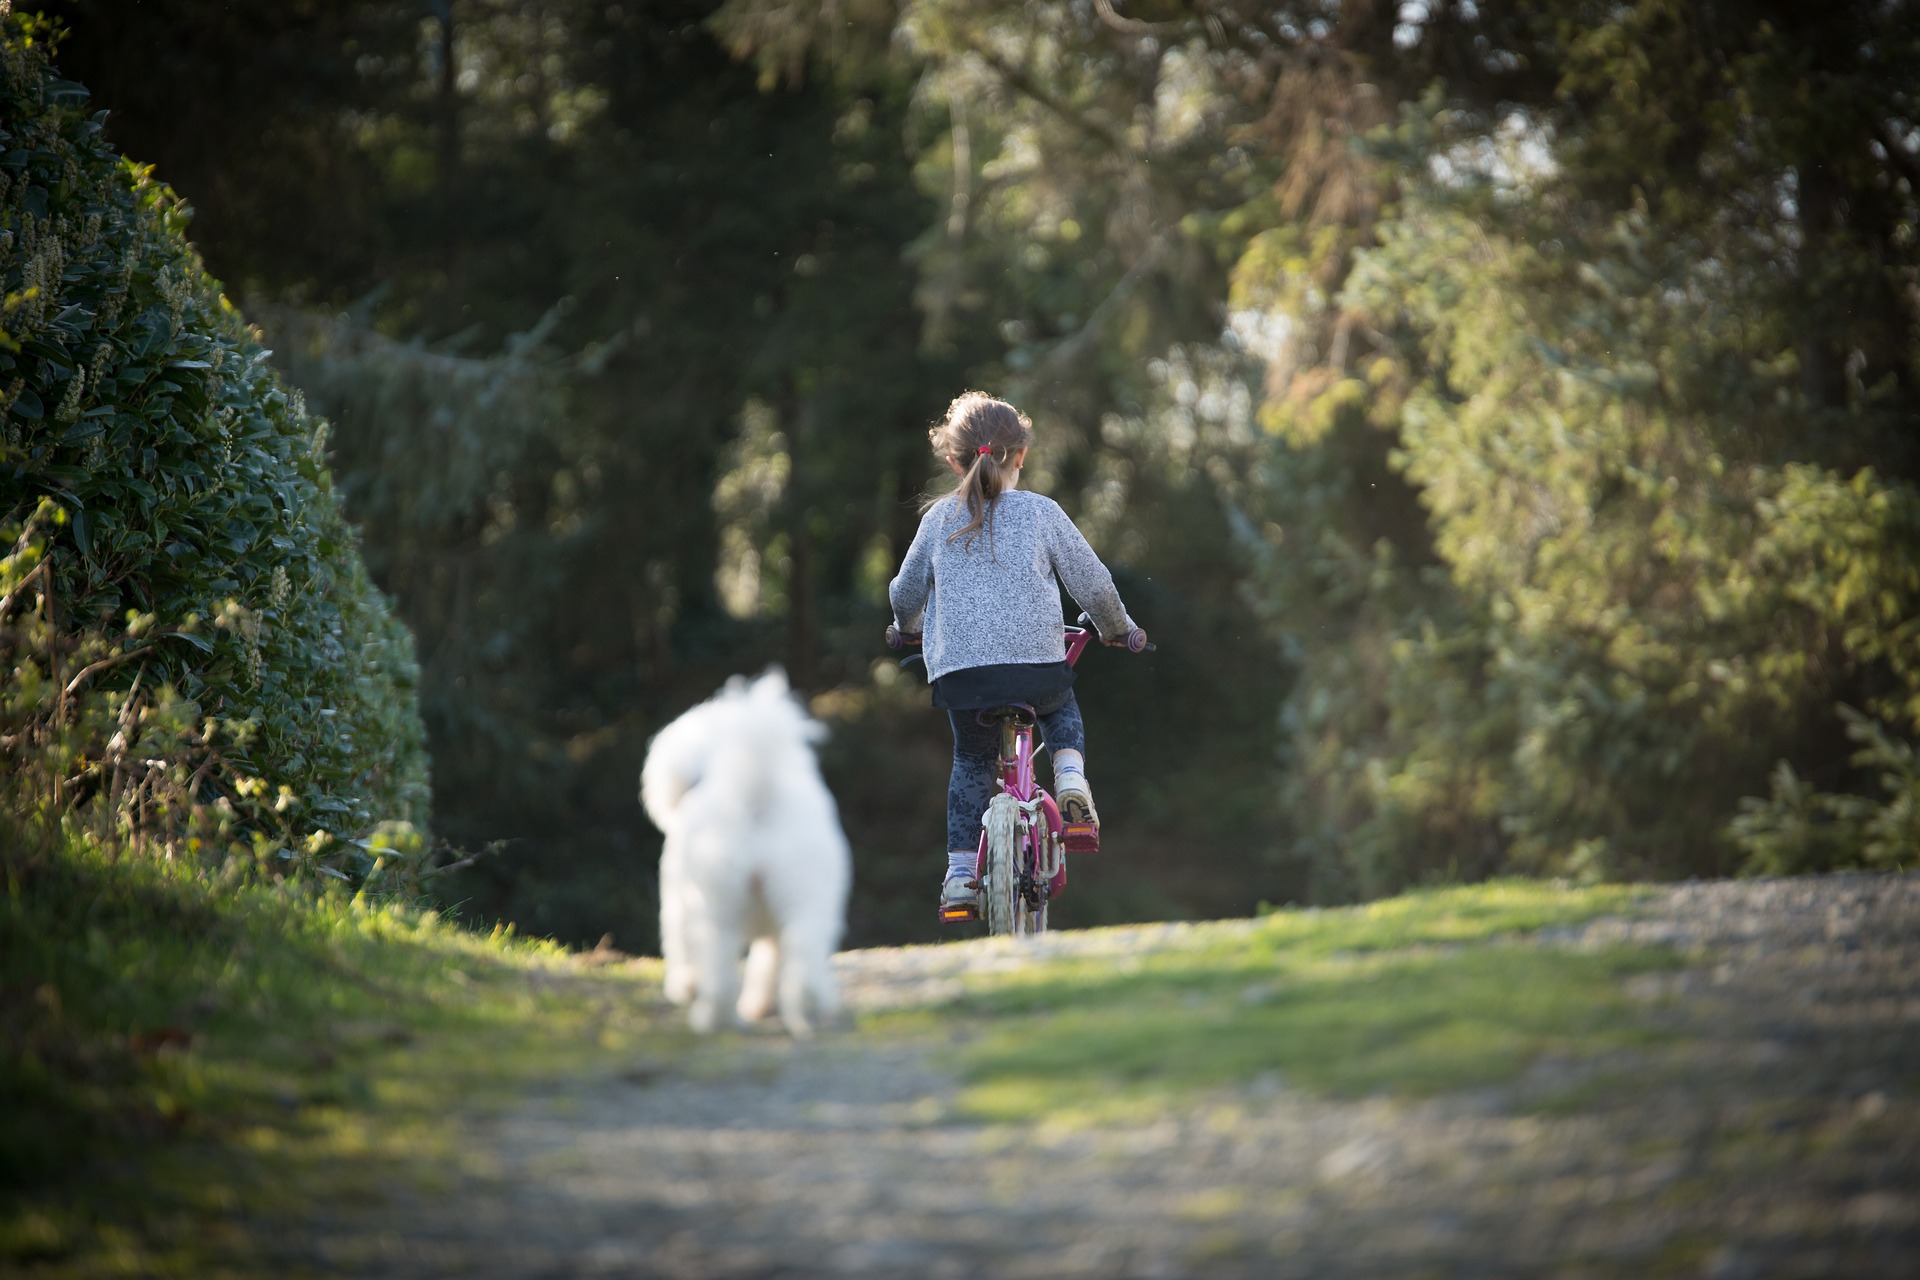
(982, 582)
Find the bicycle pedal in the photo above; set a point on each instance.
(961, 913)
(1081, 837)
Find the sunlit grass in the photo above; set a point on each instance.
(187, 1060)
(1413, 996)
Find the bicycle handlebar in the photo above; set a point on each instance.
(1136, 641)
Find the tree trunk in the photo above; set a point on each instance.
(447, 109)
(803, 622)
(1822, 377)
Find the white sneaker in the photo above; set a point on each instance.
(959, 899)
(1078, 816)
(960, 890)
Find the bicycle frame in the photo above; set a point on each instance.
(1040, 839)
(1016, 741)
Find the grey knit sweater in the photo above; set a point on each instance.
(999, 599)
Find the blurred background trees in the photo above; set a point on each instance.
(1503, 413)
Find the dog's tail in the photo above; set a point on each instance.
(675, 762)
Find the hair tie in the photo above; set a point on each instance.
(985, 448)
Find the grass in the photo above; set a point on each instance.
(188, 1058)
(1415, 995)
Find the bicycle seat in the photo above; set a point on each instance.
(1019, 712)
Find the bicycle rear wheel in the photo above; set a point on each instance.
(1002, 886)
(1030, 913)
(1029, 918)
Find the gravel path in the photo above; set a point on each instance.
(1780, 1136)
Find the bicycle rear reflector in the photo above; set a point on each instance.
(1082, 837)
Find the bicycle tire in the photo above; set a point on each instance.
(1002, 887)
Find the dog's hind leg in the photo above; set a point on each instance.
(807, 988)
(763, 970)
(717, 989)
(674, 949)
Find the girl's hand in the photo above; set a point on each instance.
(1135, 641)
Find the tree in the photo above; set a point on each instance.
(1665, 540)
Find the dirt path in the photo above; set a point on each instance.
(1780, 1136)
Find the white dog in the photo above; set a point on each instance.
(754, 855)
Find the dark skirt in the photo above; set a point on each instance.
(1042, 685)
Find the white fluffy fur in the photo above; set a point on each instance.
(755, 861)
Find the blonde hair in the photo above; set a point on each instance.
(982, 436)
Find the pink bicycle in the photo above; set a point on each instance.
(1022, 864)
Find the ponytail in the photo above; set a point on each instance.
(979, 485)
(981, 437)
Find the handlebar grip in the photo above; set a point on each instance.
(898, 639)
(1136, 641)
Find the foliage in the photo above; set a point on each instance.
(175, 538)
(141, 756)
(432, 452)
(1796, 828)
(1637, 589)
(1661, 541)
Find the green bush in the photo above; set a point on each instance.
(196, 549)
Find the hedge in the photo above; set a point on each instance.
(201, 524)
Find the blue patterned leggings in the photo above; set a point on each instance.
(976, 747)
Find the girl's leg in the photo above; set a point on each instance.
(1063, 728)
(1066, 736)
(976, 747)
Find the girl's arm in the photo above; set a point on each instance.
(1086, 579)
(910, 587)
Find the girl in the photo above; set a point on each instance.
(982, 583)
